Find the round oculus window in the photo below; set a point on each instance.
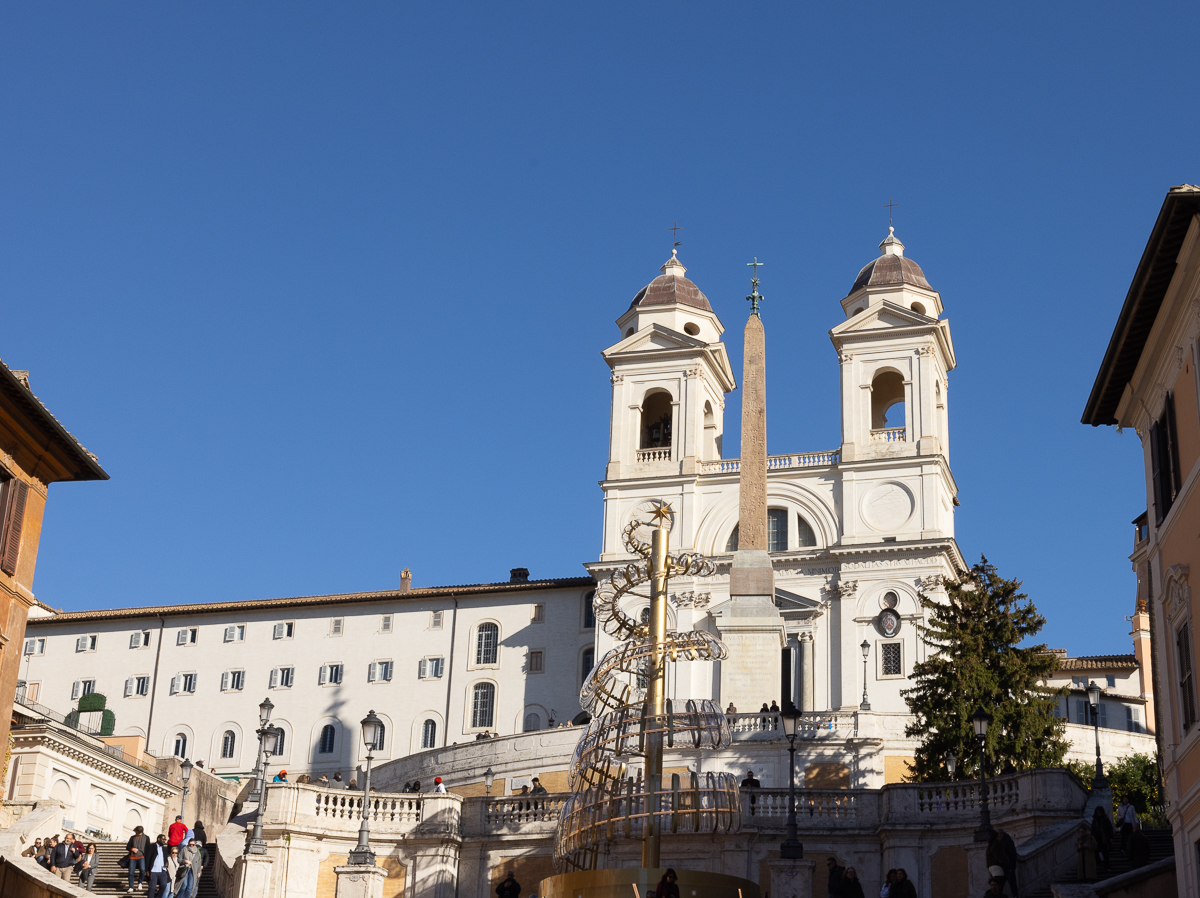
(890, 599)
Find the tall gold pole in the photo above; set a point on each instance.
(656, 692)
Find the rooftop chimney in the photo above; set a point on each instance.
(518, 575)
(405, 580)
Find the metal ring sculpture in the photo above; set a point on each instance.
(611, 798)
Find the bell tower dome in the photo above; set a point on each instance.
(670, 373)
(895, 353)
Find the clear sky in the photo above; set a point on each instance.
(325, 285)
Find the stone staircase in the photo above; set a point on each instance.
(112, 879)
(1161, 846)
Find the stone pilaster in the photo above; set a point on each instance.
(359, 881)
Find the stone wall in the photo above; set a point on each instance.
(210, 800)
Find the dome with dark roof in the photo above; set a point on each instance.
(671, 287)
(890, 268)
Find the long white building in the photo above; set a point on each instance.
(856, 532)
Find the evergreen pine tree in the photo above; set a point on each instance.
(976, 660)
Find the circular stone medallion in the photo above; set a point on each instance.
(887, 506)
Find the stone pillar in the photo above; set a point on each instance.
(751, 626)
(807, 682)
(359, 881)
(790, 879)
(252, 875)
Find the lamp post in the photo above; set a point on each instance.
(264, 715)
(951, 763)
(980, 720)
(866, 650)
(185, 773)
(1093, 694)
(268, 739)
(489, 777)
(362, 855)
(791, 849)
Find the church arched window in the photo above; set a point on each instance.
(483, 703)
(732, 544)
(710, 433)
(777, 529)
(656, 421)
(804, 533)
(887, 391)
(429, 734)
(589, 611)
(325, 745)
(645, 615)
(487, 638)
(228, 744)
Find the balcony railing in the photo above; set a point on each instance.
(775, 462)
(339, 811)
(518, 810)
(765, 726)
(648, 455)
(814, 807)
(889, 435)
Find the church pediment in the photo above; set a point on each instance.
(884, 315)
(796, 607)
(655, 337)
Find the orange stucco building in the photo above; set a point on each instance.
(1148, 382)
(35, 451)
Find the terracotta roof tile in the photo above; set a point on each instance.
(1099, 662)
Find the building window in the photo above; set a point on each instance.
(380, 738)
(86, 643)
(429, 734)
(233, 680)
(589, 611)
(657, 412)
(379, 672)
(777, 527)
(435, 620)
(805, 537)
(483, 703)
(385, 624)
(335, 626)
(13, 496)
(183, 683)
(81, 688)
(535, 662)
(1112, 681)
(187, 636)
(890, 661)
(644, 617)
(284, 630)
(732, 544)
(533, 721)
(1133, 719)
(235, 633)
(35, 646)
(1082, 715)
(486, 641)
(588, 662)
(180, 745)
(139, 639)
(1164, 460)
(281, 677)
(325, 745)
(1079, 682)
(539, 614)
(331, 675)
(228, 743)
(137, 686)
(1187, 685)
(429, 668)
(279, 742)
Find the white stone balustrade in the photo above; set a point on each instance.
(889, 435)
(762, 726)
(775, 462)
(338, 812)
(648, 455)
(817, 808)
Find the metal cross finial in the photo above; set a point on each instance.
(890, 205)
(675, 229)
(755, 297)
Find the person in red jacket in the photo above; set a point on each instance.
(177, 832)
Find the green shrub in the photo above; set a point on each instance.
(108, 723)
(93, 701)
(73, 719)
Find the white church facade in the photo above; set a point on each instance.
(855, 533)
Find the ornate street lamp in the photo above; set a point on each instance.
(264, 715)
(268, 739)
(185, 773)
(951, 763)
(489, 777)
(362, 855)
(1093, 694)
(791, 849)
(980, 720)
(866, 650)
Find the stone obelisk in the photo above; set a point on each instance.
(752, 627)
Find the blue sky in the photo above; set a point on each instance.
(325, 286)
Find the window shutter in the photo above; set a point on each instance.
(195, 677)
(81, 644)
(1172, 446)
(371, 672)
(225, 681)
(274, 677)
(421, 667)
(13, 502)
(174, 685)
(387, 670)
(280, 629)
(129, 684)
(230, 633)
(181, 637)
(30, 646)
(1156, 473)
(323, 678)
(75, 688)
(437, 666)
(135, 640)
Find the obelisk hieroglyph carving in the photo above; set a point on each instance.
(750, 625)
